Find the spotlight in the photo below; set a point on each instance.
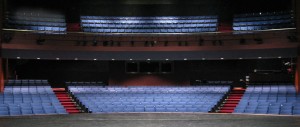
(242, 41)
(7, 38)
(292, 38)
(220, 42)
(84, 43)
(132, 43)
(105, 43)
(78, 43)
(95, 42)
(112, 43)
(258, 40)
(200, 42)
(179, 43)
(214, 42)
(146, 44)
(166, 43)
(40, 41)
(186, 43)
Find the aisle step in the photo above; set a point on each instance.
(232, 100)
(66, 101)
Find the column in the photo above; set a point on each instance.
(296, 8)
(1, 60)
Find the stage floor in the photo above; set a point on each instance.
(151, 120)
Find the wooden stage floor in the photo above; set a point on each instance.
(151, 120)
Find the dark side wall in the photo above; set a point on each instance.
(271, 70)
(59, 71)
(184, 72)
(179, 76)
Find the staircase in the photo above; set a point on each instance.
(67, 101)
(232, 100)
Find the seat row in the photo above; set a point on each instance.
(28, 97)
(105, 99)
(31, 109)
(178, 30)
(32, 21)
(149, 18)
(268, 108)
(270, 99)
(261, 21)
(148, 26)
(150, 109)
(149, 22)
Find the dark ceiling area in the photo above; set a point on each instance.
(211, 5)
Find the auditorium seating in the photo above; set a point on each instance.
(35, 20)
(29, 97)
(270, 99)
(162, 24)
(263, 21)
(105, 99)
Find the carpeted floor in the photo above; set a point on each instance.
(151, 120)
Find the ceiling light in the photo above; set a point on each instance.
(148, 59)
(167, 59)
(18, 57)
(185, 59)
(130, 59)
(57, 58)
(112, 59)
(259, 57)
(203, 59)
(38, 58)
(279, 57)
(240, 58)
(222, 58)
(76, 59)
(95, 59)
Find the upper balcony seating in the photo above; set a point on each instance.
(163, 24)
(263, 21)
(29, 97)
(99, 99)
(34, 20)
(270, 99)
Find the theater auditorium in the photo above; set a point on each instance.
(149, 63)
